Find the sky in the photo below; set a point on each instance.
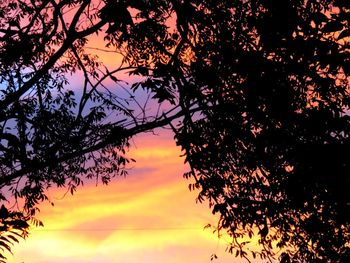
(148, 216)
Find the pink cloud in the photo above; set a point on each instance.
(149, 216)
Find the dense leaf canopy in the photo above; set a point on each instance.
(256, 92)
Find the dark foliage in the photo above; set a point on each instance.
(259, 91)
(269, 148)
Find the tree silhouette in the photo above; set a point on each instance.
(256, 92)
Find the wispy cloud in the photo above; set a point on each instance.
(149, 216)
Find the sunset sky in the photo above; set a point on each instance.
(257, 93)
(149, 216)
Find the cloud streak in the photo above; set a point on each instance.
(149, 216)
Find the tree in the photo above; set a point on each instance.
(269, 146)
(51, 134)
(256, 92)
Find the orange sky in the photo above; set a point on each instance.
(149, 216)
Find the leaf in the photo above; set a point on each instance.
(3, 212)
(13, 238)
(332, 26)
(116, 80)
(4, 246)
(342, 3)
(141, 71)
(213, 256)
(345, 33)
(162, 94)
(253, 254)
(319, 18)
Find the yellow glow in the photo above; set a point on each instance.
(149, 216)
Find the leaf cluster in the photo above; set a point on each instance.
(268, 149)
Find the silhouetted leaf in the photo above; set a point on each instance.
(332, 26)
(344, 34)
